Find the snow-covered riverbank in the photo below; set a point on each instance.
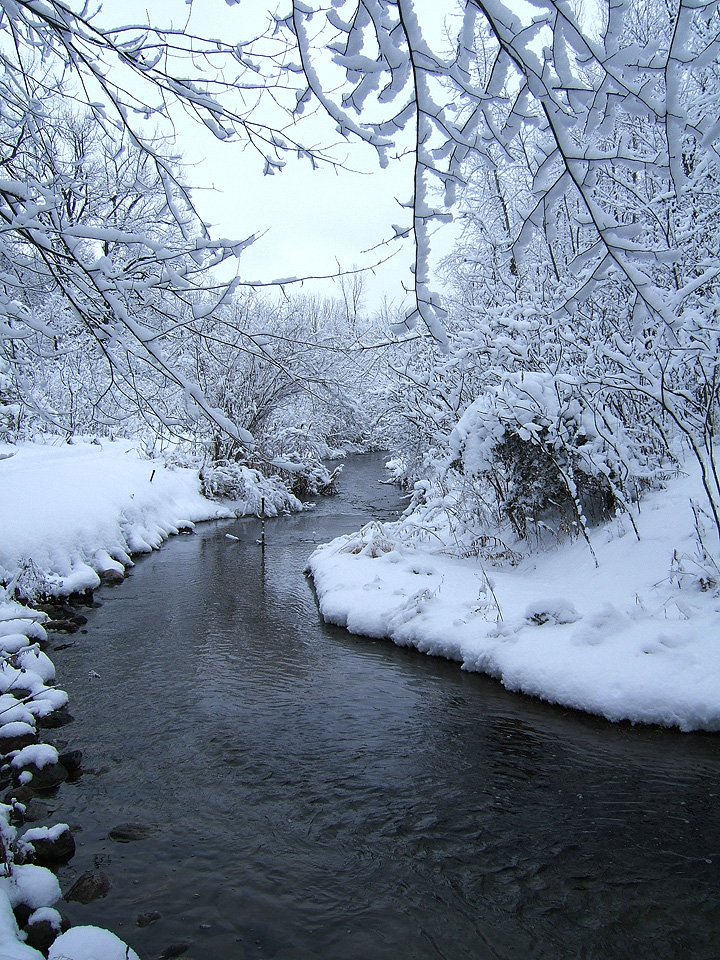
(68, 513)
(70, 516)
(636, 638)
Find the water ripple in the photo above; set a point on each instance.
(318, 795)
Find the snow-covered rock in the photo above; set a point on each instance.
(90, 943)
(31, 885)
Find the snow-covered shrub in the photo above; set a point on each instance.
(536, 445)
(286, 371)
(296, 453)
(397, 471)
(698, 568)
(250, 490)
(372, 540)
(423, 399)
(29, 583)
(9, 407)
(315, 480)
(533, 455)
(553, 610)
(454, 514)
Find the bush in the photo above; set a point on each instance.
(248, 490)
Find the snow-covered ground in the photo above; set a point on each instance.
(78, 510)
(635, 638)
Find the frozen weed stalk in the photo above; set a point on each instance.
(488, 604)
(8, 838)
(370, 541)
(699, 568)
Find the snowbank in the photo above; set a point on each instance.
(633, 639)
(71, 512)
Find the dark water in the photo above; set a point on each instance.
(312, 794)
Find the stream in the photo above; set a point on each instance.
(310, 794)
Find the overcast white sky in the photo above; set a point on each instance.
(312, 221)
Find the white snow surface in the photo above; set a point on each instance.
(90, 943)
(46, 915)
(32, 885)
(40, 754)
(10, 946)
(15, 728)
(73, 511)
(633, 639)
(78, 509)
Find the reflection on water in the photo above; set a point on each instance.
(314, 794)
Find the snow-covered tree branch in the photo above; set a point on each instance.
(582, 140)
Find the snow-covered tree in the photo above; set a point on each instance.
(589, 136)
(592, 128)
(93, 211)
(293, 370)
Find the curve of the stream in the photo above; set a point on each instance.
(310, 794)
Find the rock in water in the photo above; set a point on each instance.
(72, 761)
(145, 919)
(175, 950)
(52, 849)
(89, 887)
(127, 832)
(111, 577)
(47, 777)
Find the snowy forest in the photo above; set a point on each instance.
(544, 385)
(572, 358)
